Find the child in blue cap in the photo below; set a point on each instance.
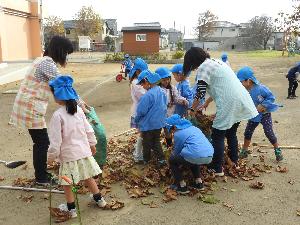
(224, 58)
(292, 77)
(151, 115)
(173, 97)
(72, 143)
(191, 148)
(128, 64)
(183, 88)
(137, 91)
(264, 102)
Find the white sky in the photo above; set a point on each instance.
(166, 12)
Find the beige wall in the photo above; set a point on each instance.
(19, 35)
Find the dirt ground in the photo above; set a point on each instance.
(275, 204)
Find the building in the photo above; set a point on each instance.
(20, 36)
(175, 36)
(142, 38)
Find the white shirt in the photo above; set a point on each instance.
(137, 91)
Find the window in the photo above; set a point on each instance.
(141, 37)
(232, 29)
(68, 31)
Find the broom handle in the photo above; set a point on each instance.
(30, 189)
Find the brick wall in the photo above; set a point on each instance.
(133, 47)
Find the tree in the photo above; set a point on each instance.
(259, 30)
(88, 22)
(289, 25)
(53, 26)
(205, 26)
(110, 43)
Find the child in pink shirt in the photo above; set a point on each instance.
(72, 143)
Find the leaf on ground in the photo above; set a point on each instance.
(153, 205)
(257, 185)
(228, 205)
(149, 181)
(104, 191)
(2, 178)
(145, 201)
(247, 178)
(170, 195)
(45, 196)
(298, 212)
(262, 158)
(292, 182)
(23, 182)
(138, 192)
(60, 216)
(114, 205)
(281, 169)
(225, 179)
(26, 198)
(210, 199)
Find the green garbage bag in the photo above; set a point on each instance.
(99, 130)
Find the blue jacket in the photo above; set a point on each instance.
(260, 94)
(151, 110)
(191, 144)
(185, 91)
(128, 64)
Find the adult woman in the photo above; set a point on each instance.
(233, 102)
(31, 102)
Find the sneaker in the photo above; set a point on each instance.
(101, 203)
(295, 96)
(198, 186)
(290, 97)
(182, 190)
(243, 153)
(218, 173)
(46, 183)
(278, 154)
(64, 208)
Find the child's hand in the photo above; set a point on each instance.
(260, 108)
(185, 102)
(93, 150)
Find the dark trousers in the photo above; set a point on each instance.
(176, 161)
(127, 71)
(293, 84)
(41, 143)
(218, 137)
(151, 140)
(267, 124)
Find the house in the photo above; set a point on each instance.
(141, 38)
(163, 39)
(175, 36)
(20, 36)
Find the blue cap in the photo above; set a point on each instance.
(177, 121)
(246, 73)
(163, 72)
(142, 75)
(139, 64)
(126, 56)
(63, 89)
(224, 57)
(178, 68)
(153, 78)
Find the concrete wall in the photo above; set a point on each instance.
(19, 30)
(133, 47)
(225, 32)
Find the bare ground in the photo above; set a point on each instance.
(275, 204)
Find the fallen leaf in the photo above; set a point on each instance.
(153, 205)
(225, 179)
(60, 216)
(230, 206)
(298, 212)
(2, 178)
(247, 178)
(257, 185)
(170, 195)
(281, 169)
(292, 182)
(233, 190)
(26, 198)
(24, 182)
(145, 202)
(114, 205)
(45, 196)
(210, 199)
(262, 158)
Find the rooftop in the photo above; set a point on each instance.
(153, 26)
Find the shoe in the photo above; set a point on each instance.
(278, 154)
(198, 186)
(290, 97)
(101, 203)
(162, 163)
(182, 190)
(217, 172)
(64, 208)
(46, 183)
(295, 96)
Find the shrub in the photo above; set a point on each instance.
(178, 55)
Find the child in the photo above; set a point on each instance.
(128, 64)
(224, 58)
(292, 77)
(264, 102)
(72, 142)
(151, 115)
(173, 97)
(191, 148)
(137, 91)
(183, 88)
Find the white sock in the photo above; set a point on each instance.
(198, 180)
(182, 183)
(138, 151)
